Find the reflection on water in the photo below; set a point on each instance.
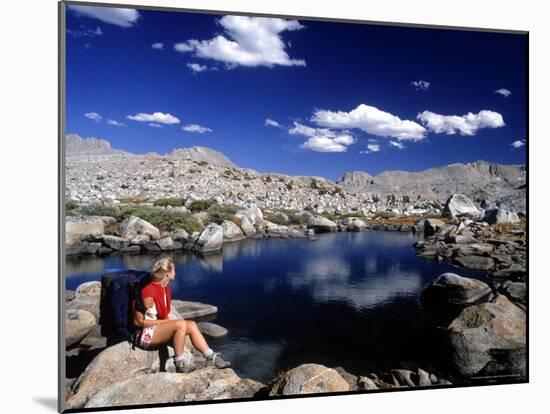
(347, 299)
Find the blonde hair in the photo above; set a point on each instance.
(161, 268)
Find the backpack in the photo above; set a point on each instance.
(118, 290)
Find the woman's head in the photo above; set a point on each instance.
(163, 269)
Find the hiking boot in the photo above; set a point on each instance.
(183, 367)
(215, 360)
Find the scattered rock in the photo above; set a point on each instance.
(500, 216)
(515, 291)
(78, 323)
(321, 224)
(456, 290)
(210, 239)
(134, 226)
(459, 205)
(212, 329)
(489, 339)
(201, 385)
(309, 379)
(166, 243)
(191, 310)
(231, 232)
(476, 262)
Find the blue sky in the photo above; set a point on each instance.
(297, 97)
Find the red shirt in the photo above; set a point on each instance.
(157, 292)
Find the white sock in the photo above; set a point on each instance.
(186, 357)
(208, 352)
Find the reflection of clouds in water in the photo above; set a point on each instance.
(371, 292)
(84, 266)
(328, 279)
(212, 262)
(255, 360)
(320, 271)
(138, 262)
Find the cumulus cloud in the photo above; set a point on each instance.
(397, 144)
(196, 67)
(466, 124)
(420, 85)
(94, 116)
(114, 122)
(157, 118)
(158, 45)
(371, 120)
(371, 148)
(323, 139)
(85, 32)
(271, 122)
(504, 92)
(196, 128)
(117, 16)
(154, 125)
(518, 143)
(247, 41)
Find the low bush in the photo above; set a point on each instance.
(201, 205)
(218, 213)
(174, 202)
(162, 219)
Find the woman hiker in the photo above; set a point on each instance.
(157, 329)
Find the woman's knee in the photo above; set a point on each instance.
(191, 325)
(181, 325)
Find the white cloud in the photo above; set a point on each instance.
(323, 139)
(158, 46)
(117, 16)
(518, 143)
(196, 128)
(196, 67)
(157, 117)
(466, 124)
(371, 120)
(153, 125)
(397, 144)
(85, 32)
(271, 122)
(504, 92)
(371, 148)
(94, 116)
(247, 41)
(114, 122)
(420, 85)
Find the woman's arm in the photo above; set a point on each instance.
(139, 317)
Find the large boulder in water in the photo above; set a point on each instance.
(489, 339)
(135, 228)
(201, 385)
(309, 379)
(450, 288)
(500, 216)
(459, 205)
(209, 240)
(78, 324)
(321, 224)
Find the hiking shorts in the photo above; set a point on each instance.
(144, 337)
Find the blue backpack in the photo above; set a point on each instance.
(118, 290)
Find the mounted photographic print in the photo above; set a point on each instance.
(258, 207)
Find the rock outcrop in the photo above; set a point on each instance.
(309, 379)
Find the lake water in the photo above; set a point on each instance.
(347, 299)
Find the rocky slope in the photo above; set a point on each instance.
(95, 172)
(478, 180)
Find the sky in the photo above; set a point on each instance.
(298, 97)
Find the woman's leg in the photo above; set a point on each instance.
(174, 331)
(196, 336)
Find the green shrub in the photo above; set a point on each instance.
(218, 213)
(289, 186)
(201, 205)
(174, 202)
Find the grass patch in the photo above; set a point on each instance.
(162, 219)
(384, 214)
